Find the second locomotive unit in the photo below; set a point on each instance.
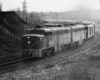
(49, 40)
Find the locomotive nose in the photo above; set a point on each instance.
(30, 42)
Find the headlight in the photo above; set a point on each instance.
(40, 38)
(28, 42)
(28, 37)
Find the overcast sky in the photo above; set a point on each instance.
(50, 5)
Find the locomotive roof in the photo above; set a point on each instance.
(34, 35)
(78, 26)
(90, 25)
(52, 25)
(42, 30)
(88, 22)
(55, 28)
(50, 29)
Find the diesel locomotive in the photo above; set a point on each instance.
(49, 39)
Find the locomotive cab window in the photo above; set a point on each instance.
(69, 31)
(76, 30)
(63, 31)
(48, 33)
(41, 32)
(55, 33)
(66, 31)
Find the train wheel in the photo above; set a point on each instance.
(30, 54)
(43, 54)
(48, 52)
(63, 47)
(23, 55)
(74, 45)
(52, 51)
(66, 47)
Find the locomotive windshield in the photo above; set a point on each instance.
(41, 32)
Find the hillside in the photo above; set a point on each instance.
(11, 29)
(82, 14)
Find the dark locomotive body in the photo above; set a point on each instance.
(49, 40)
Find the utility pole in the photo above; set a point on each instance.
(18, 9)
(0, 6)
(24, 11)
(56, 17)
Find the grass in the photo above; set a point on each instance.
(49, 66)
(82, 69)
(79, 72)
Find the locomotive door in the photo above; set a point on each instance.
(58, 35)
(80, 41)
(50, 40)
(86, 32)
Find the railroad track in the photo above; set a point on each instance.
(56, 59)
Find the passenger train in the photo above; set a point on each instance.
(47, 40)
